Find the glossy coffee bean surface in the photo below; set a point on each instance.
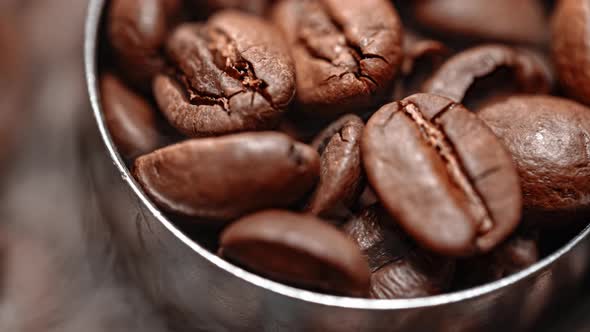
(427, 151)
(298, 249)
(341, 174)
(130, 118)
(549, 139)
(225, 178)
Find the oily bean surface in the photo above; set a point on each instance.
(483, 19)
(227, 177)
(234, 74)
(400, 269)
(297, 249)
(137, 31)
(442, 174)
(130, 118)
(341, 174)
(346, 52)
(458, 74)
(571, 47)
(549, 138)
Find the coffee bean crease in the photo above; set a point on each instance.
(435, 136)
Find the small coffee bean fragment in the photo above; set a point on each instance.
(459, 73)
(521, 21)
(400, 269)
(130, 118)
(518, 253)
(297, 249)
(227, 177)
(233, 74)
(442, 174)
(137, 31)
(341, 173)
(571, 47)
(549, 138)
(346, 52)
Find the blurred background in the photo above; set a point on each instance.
(59, 268)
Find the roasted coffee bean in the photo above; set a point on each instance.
(571, 47)
(442, 174)
(346, 52)
(137, 31)
(297, 249)
(528, 72)
(379, 239)
(428, 190)
(130, 118)
(421, 57)
(400, 268)
(233, 74)
(521, 21)
(227, 177)
(549, 139)
(518, 253)
(341, 174)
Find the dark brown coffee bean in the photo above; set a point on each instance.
(571, 47)
(400, 269)
(227, 177)
(137, 31)
(379, 239)
(130, 118)
(415, 276)
(443, 174)
(549, 139)
(346, 52)
(421, 57)
(521, 21)
(234, 74)
(297, 249)
(529, 73)
(341, 173)
(518, 253)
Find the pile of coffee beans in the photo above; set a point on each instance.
(359, 148)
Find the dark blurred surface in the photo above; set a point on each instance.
(59, 268)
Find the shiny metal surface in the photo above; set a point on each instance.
(207, 293)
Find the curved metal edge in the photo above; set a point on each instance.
(90, 47)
